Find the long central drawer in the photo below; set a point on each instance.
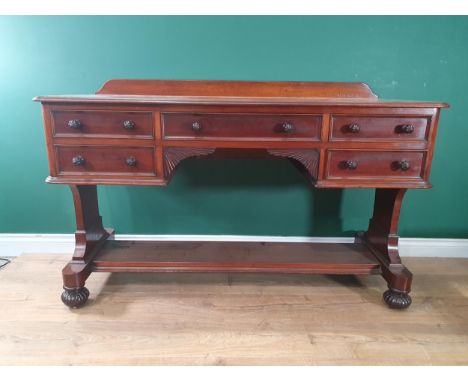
(241, 126)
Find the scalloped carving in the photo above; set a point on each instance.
(75, 297)
(397, 300)
(309, 158)
(174, 155)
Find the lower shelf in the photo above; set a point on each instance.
(319, 258)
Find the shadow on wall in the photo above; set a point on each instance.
(321, 208)
(326, 212)
(231, 197)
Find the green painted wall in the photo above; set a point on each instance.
(423, 58)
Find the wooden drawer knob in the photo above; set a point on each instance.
(129, 125)
(74, 124)
(287, 127)
(354, 128)
(350, 164)
(196, 126)
(131, 161)
(78, 160)
(403, 165)
(406, 129)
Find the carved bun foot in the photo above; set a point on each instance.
(397, 300)
(75, 297)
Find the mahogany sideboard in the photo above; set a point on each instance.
(340, 135)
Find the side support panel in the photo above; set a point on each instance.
(382, 239)
(89, 236)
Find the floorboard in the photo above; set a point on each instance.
(232, 319)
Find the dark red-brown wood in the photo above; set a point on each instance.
(340, 135)
(187, 88)
(351, 164)
(328, 258)
(382, 238)
(376, 128)
(105, 160)
(90, 236)
(103, 123)
(241, 126)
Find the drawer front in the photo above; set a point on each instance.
(374, 164)
(104, 123)
(242, 126)
(378, 128)
(105, 160)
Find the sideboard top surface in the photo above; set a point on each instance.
(235, 93)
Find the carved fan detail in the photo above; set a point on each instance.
(174, 155)
(309, 158)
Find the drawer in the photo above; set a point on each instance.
(374, 164)
(242, 126)
(378, 128)
(104, 160)
(103, 123)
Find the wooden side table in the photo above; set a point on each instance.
(340, 135)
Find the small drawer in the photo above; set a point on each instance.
(104, 160)
(378, 128)
(102, 123)
(241, 126)
(345, 164)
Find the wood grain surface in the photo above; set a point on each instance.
(232, 319)
(291, 116)
(313, 258)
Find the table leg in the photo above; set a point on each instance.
(89, 236)
(382, 238)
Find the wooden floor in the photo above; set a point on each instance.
(232, 319)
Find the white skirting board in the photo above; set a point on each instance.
(12, 245)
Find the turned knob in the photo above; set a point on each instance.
(129, 125)
(74, 124)
(196, 126)
(403, 165)
(353, 128)
(287, 127)
(407, 129)
(78, 160)
(350, 164)
(131, 161)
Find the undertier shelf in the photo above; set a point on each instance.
(162, 256)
